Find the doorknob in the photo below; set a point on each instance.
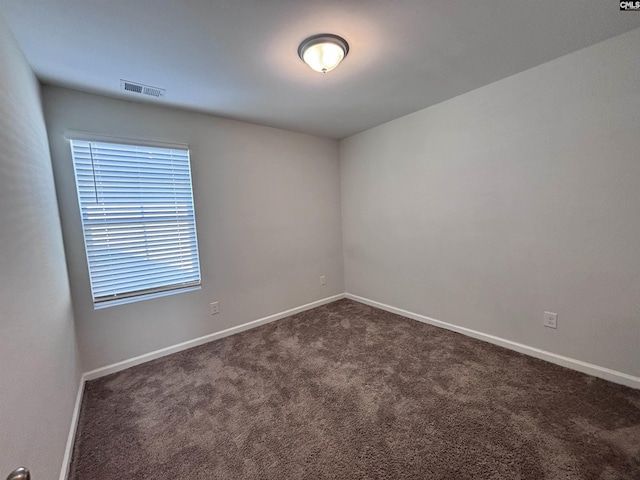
(19, 474)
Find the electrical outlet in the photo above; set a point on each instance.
(550, 320)
(215, 308)
(323, 280)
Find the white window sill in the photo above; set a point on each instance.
(148, 296)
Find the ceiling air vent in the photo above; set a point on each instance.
(142, 89)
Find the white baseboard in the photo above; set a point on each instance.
(116, 367)
(66, 460)
(580, 366)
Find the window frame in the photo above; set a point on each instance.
(149, 293)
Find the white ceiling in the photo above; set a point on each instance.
(238, 58)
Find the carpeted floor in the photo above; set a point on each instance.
(346, 391)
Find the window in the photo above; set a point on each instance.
(138, 220)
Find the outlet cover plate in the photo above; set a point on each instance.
(550, 320)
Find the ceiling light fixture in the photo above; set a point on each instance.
(323, 52)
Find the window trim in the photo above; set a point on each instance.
(156, 292)
(145, 296)
(97, 137)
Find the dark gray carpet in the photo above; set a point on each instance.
(346, 391)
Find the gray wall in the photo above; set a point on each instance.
(268, 217)
(40, 371)
(522, 196)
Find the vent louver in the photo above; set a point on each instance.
(141, 89)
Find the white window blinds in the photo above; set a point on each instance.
(138, 219)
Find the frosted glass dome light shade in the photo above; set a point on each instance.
(323, 52)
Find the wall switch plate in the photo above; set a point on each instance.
(323, 280)
(550, 320)
(215, 308)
